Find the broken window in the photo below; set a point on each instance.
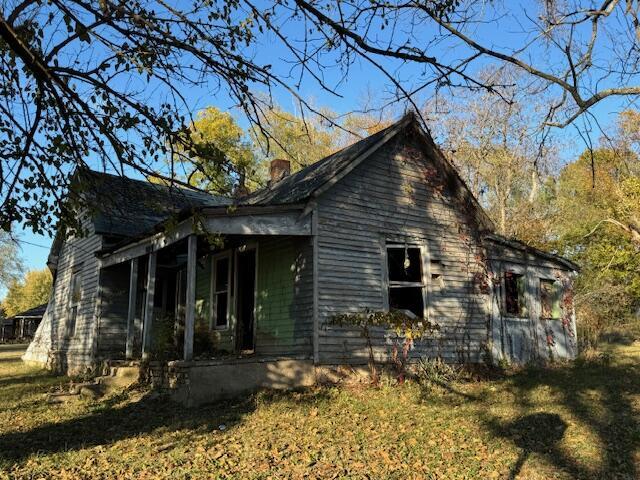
(550, 299)
(75, 295)
(514, 288)
(407, 289)
(220, 291)
(437, 277)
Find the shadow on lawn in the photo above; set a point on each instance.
(109, 422)
(612, 419)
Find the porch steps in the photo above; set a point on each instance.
(120, 378)
(116, 378)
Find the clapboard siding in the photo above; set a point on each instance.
(284, 320)
(51, 343)
(393, 195)
(532, 338)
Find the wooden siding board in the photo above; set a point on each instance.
(51, 343)
(390, 196)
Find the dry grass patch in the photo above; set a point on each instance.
(574, 421)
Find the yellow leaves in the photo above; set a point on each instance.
(319, 433)
(32, 291)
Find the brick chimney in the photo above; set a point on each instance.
(279, 169)
(240, 190)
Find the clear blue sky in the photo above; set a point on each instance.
(362, 78)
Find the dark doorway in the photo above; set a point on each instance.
(246, 271)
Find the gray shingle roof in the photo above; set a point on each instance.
(129, 207)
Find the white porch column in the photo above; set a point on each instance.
(131, 313)
(190, 305)
(148, 311)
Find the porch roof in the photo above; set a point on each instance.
(241, 220)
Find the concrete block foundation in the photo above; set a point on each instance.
(200, 382)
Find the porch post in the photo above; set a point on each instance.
(148, 311)
(190, 306)
(131, 313)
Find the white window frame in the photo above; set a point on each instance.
(213, 297)
(425, 270)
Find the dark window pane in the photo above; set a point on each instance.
(514, 286)
(222, 274)
(221, 309)
(407, 298)
(404, 264)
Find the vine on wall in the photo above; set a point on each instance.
(406, 328)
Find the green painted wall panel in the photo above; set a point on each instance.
(284, 320)
(275, 292)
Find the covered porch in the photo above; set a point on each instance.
(233, 285)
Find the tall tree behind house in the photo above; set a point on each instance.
(494, 140)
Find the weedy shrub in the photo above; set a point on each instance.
(591, 357)
(435, 370)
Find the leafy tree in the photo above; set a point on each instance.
(106, 80)
(302, 141)
(32, 291)
(596, 196)
(10, 262)
(222, 153)
(494, 144)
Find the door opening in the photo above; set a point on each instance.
(245, 306)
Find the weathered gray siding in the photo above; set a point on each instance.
(50, 344)
(531, 338)
(398, 194)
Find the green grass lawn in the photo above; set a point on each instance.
(577, 421)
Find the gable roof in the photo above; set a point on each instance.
(298, 187)
(130, 207)
(316, 178)
(136, 208)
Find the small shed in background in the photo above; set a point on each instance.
(23, 325)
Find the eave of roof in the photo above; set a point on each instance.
(227, 211)
(519, 245)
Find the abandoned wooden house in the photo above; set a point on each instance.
(234, 293)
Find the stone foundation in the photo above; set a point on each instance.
(199, 382)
